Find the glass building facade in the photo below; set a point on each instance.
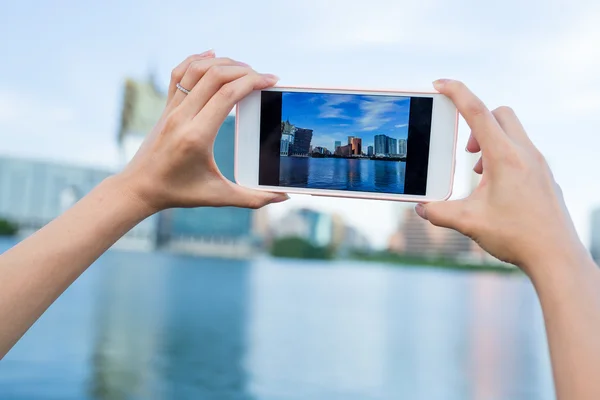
(32, 193)
(302, 139)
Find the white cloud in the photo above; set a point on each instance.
(400, 125)
(331, 108)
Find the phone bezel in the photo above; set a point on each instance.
(442, 152)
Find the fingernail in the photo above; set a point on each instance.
(280, 199)
(208, 53)
(439, 84)
(420, 210)
(467, 149)
(271, 77)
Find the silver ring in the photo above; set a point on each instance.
(184, 90)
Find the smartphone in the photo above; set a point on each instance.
(370, 144)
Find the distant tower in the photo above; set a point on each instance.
(143, 104)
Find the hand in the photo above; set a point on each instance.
(175, 165)
(517, 213)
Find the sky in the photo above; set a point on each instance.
(334, 117)
(63, 64)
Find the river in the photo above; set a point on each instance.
(343, 174)
(160, 326)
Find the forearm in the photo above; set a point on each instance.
(569, 294)
(36, 271)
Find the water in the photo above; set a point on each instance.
(157, 326)
(343, 174)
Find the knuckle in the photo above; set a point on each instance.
(177, 74)
(255, 203)
(172, 121)
(216, 73)
(538, 156)
(197, 68)
(190, 142)
(504, 111)
(227, 92)
(476, 107)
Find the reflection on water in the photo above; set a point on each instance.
(158, 326)
(343, 174)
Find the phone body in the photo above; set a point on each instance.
(370, 144)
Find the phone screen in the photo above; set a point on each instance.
(355, 142)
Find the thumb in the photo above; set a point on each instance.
(447, 214)
(251, 198)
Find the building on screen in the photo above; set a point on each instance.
(381, 145)
(336, 145)
(356, 146)
(344, 151)
(392, 146)
(402, 147)
(301, 145)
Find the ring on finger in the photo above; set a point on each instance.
(184, 90)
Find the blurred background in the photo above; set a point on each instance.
(315, 298)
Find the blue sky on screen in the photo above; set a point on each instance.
(334, 117)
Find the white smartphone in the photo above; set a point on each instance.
(337, 142)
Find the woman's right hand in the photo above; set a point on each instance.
(175, 166)
(517, 213)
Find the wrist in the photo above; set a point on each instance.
(125, 190)
(563, 265)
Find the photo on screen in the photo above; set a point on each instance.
(344, 142)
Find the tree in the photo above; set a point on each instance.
(295, 247)
(7, 228)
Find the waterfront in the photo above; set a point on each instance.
(158, 326)
(343, 174)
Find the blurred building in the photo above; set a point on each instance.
(370, 151)
(142, 106)
(313, 226)
(595, 234)
(33, 193)
(419, 238)
(321, 229)
(224, 231)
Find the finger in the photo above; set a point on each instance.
(508, 120)
(472, 145)
(250, 198)
(179, 71)
(447, 214)
(194, 73)
(211, 117)
(484, 126)
(478, 168)
(209, 85)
